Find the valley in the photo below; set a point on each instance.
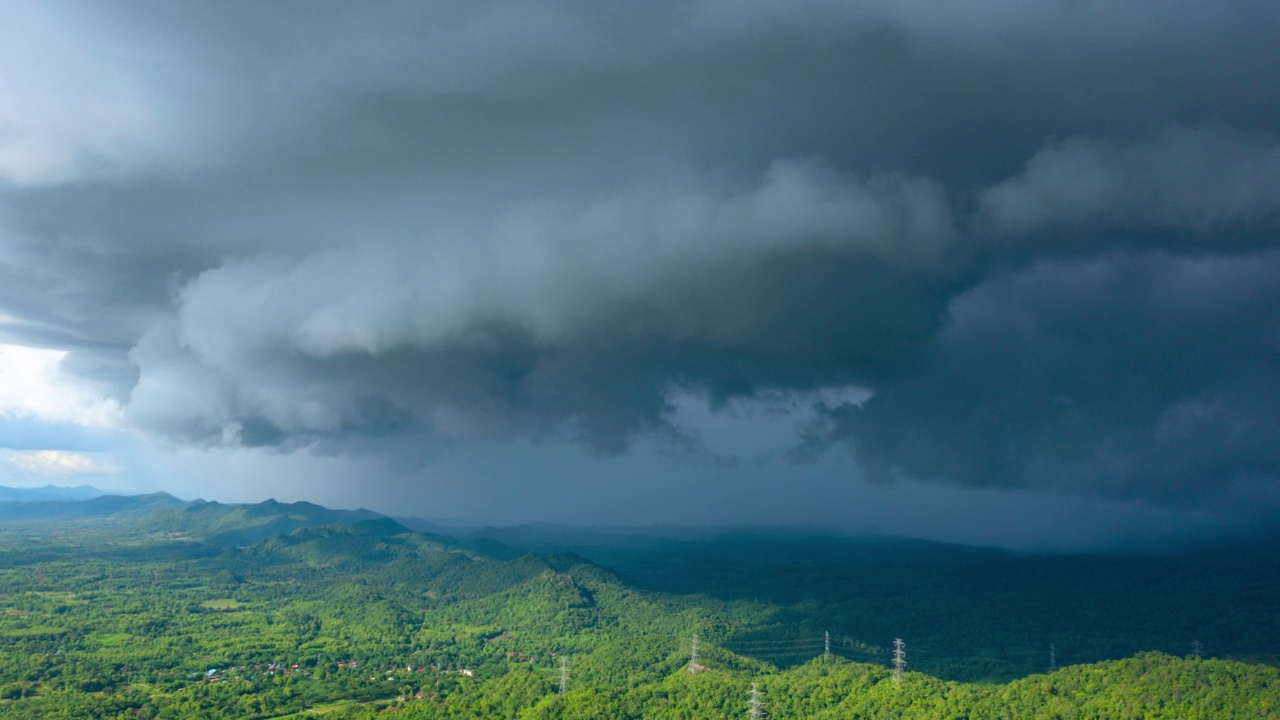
(153, 607)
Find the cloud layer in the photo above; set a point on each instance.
(1043, 239)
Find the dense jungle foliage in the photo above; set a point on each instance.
(154, 608)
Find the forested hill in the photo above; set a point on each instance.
(159, 609)
(973, 613)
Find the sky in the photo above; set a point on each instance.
(992, 272)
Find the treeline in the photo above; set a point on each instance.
(1151, 686)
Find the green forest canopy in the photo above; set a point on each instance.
(161, 609)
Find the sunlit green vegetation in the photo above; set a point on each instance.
(151, 617)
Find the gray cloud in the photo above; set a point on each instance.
(1041, 235)
(1131, 376)
(1200, 180)
(560, 309)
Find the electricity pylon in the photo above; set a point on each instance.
(899, 659)
(757, 707)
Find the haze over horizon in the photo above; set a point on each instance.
(994, 272)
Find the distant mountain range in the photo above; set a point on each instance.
(212, 522)
(48, 493)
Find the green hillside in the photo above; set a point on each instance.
(157, 609)
(976, 614)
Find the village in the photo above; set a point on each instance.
(392, 672)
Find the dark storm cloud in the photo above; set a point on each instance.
(1210, 182)
(563, 309)
(1042, 235)
(1130, 376)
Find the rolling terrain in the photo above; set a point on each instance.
(153, 607)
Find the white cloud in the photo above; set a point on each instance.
(58, 462)
(34, 386)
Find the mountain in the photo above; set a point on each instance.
(210, 522)
(49, 492)
(119, 507)
(236, 524)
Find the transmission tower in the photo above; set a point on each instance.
(693, 655)
(826, 649)
(899, 659)
(757, 707)
(1196, 648)
(1053, 657)
(564, 674)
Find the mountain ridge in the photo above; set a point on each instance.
(49, 492)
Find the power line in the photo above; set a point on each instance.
(859, 646)
(774, 641)
(814, 643)
(824, 645)
(782, 652)
(858, 654)
(853, 648)
(763, 656)
(794, 641)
